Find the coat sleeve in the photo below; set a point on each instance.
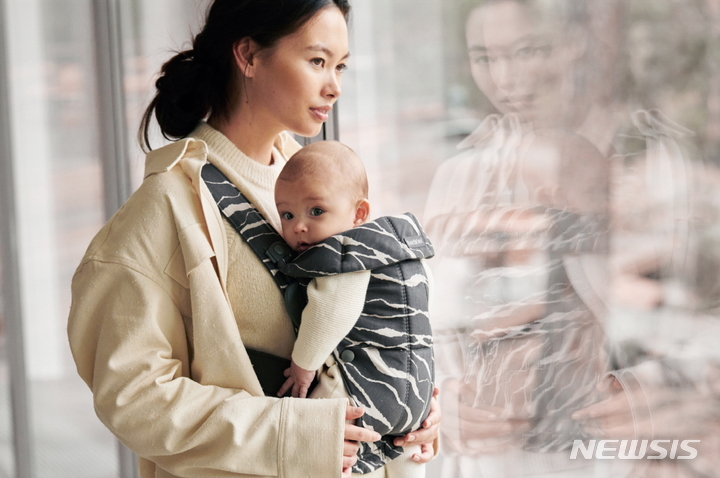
(129, 342)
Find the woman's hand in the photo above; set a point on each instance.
(610, 416)
(664, 412)
(475, 430)
(354, 434)
(425, 436)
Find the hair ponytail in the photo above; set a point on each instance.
(202, 81)
(180, 102)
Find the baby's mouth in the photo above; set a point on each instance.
(303, 246)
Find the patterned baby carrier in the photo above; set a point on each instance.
(386, 360)
(526, 278)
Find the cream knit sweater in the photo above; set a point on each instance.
(262, 320)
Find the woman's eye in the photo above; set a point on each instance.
(316, 211)
(524, 52)
(481, 59)
(544, 50)
(287, 216)
(341, 67)
(317, 61)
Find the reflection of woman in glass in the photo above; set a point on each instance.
(516, 221)
(520, 224)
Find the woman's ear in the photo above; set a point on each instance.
(245, 52)
(362, 212)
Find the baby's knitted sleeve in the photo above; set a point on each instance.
(334, 305)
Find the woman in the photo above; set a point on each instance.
(168, 297)
(562, 140)
(516, 220)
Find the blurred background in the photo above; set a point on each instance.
(76, 75)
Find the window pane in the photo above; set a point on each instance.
(152, 32)
(59, 191)
(59, 208)
(7, 462)
(514, 129)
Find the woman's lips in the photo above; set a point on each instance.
(322, 113)
(520, 103)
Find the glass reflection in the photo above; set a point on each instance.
(575, 238)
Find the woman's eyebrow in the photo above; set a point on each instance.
(524, 39)
(326, 50)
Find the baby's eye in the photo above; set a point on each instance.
(287, 216)
(316, 211)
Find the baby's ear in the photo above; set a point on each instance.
(362, 212)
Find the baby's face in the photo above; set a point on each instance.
(311, 210)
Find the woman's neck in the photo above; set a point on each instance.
(252, 137)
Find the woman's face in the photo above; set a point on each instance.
(296, 82)
(517, 60)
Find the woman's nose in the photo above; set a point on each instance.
(333, 87)
(504, 74)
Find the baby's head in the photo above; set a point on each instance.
(321, 191)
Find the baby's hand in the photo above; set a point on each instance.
(299, 379)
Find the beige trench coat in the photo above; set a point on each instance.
(154, 336)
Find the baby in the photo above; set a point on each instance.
(365, 326)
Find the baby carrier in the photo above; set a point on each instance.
(386, 360)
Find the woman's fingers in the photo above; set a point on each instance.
(435, 414)
(498, 428)
(612, 417)
(430, 428)
(426, 453)
(467, 428)
(481, 413)
(353, 413)
(355, 433)
(422, 435)
(617, 404)
(350, 450)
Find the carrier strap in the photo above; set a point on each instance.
(262, 238)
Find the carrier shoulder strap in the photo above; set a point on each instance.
(262, 238)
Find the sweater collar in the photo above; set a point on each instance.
(233, 162)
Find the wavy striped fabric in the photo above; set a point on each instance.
(386, 360)
(262, 238)
(535, 344)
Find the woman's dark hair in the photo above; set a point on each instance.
(203, 80)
